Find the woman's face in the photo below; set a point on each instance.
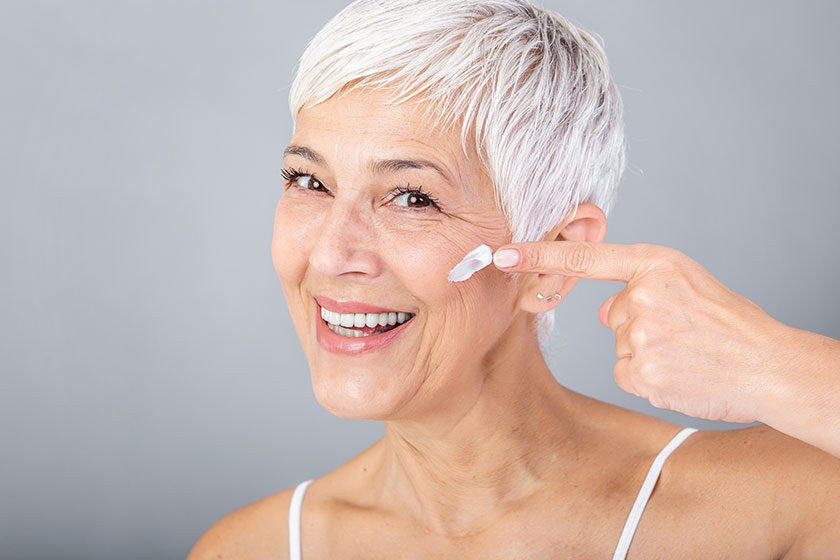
(357, 222)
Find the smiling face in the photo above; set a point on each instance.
(378, 206)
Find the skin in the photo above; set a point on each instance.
(485, 455)
(688, 343)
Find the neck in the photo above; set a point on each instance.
(464, 460)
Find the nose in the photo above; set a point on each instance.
(346, 244)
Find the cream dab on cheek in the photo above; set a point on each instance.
(475, 260)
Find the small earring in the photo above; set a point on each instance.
(548, 298)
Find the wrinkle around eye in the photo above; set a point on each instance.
(386, 201)
(425, 213)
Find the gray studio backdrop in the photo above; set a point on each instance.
(152, 380)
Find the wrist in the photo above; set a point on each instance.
(802, 385)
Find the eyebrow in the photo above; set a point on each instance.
(382, 166)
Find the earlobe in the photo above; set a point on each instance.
(541, 297)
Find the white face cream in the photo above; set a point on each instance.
(475, 260)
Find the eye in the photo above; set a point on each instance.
(305, 181)
(408, 197)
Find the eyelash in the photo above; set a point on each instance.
(291, 175)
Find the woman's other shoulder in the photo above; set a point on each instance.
(793, 487)
(759, 453)
(258, 530)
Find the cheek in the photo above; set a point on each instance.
(419, 252)
(293, 233)
(424, 260)
(421, 258)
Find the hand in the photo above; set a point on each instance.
(684, 341)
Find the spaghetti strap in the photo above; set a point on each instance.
(645, 492)
(294, 520)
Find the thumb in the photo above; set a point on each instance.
(604, 311)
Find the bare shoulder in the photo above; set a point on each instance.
(258, 530)
(778, 486)
(787, 466)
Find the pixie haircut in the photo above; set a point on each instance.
(532, 94)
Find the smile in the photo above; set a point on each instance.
(354, 328)
(363, 324)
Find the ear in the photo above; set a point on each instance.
(586, 223)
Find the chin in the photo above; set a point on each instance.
(348, 398)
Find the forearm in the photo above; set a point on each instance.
(802, 395)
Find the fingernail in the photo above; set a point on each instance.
(506, 257)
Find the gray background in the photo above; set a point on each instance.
(151, 377)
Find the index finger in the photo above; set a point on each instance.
(584, 259)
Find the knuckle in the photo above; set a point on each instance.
(617, 312)
(648, 250)
(613, 316)
(534, 258)
(639, 296)
(658, 401)
(579, 258)
(668, 256)
(654, 251)
(638, 335)
(622, 375)
(660, 255)
(623, 347)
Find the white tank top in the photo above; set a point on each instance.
(623, 541)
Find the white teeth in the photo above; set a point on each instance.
(347, 321)
(346, 332)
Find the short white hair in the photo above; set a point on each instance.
(532, 91)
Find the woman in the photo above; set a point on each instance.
(422, 130)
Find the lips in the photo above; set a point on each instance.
(355, 346)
